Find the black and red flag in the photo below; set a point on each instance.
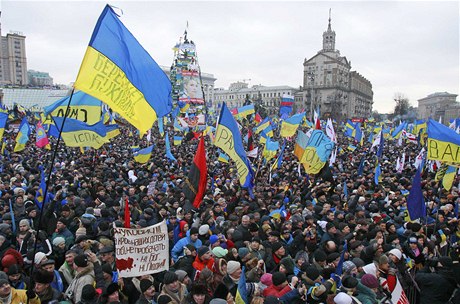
(195, 183)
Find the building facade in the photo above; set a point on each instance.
(330, 85)
(13, 60)
(439, 104)
(39, 79)
(266, 98)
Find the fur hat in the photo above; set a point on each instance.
(198, 289)
(43, 276)
(145, 284)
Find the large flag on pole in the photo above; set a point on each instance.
(143, 156)
(76, 133)
(118, 70)
(195, 184)
(415, 202)
(41, 138)
(228, 138)
(443, 143)
(290, 125)
(23, 135)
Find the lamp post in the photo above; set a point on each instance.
(311, 78)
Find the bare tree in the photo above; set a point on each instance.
(402, 104)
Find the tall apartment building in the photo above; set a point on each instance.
(13, 60)
(330, 84)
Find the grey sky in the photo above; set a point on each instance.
(409, 47)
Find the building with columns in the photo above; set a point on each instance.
(439, 104)
(330, 84)
(267, 98)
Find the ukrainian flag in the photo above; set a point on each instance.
(449, 177)
(398, 130)
(23, 135)
(118, 70)
(377, 173)
(177, 140)
(112, 131)
(242, 293)
(443, 143)
(3, 120)
(82, 107)
(244, 111)
(301, 143)
(290, 125)
(228, 138)
(268, 131)
(76, 133)
(263, 125)
(271, 147)
(143, 156)
(223, 158)
(351, 148)
(40, 194)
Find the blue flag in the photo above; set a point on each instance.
(345, 189)
(339, 269)
(380, 150)
(13, 220)
(415, 202)
(361, 166)
(168, 149)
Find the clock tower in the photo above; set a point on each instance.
(329, 37)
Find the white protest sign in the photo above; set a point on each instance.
(141, 251)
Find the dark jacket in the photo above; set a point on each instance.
(435, 288)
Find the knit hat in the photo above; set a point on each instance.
(203, 230)
(181, 274)
(276, 246)
(265, 227)
(145, 284)
(106, 268)
(43, 276)
(81, 260)
(319, 255)
(358, 262)
(164, 299)
(81, 238)
(348, 266)
(213, 239)
(3, 278)
(202, 251)
(58, 241)
(266, 279)
(396, 252)
(370, 280)
(288, 263)
(39, 257)
(13, 269)
(170, 277)
(242, 252)
(278, 278)
(63, 220)
(342, 298)
(233, 266)
(219, 252)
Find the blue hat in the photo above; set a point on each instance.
(213, 239)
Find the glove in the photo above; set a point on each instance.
(337, 279)
(31, 293)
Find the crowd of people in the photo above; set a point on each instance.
(300, 239)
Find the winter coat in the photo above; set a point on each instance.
(178, 249)
(85, 277)
(20, 296)
(435, 288)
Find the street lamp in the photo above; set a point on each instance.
(311, 78)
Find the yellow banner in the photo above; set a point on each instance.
(83, 138)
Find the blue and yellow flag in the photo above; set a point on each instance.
(290, 125)
(76, 133)
(241, 296)
(263, 125)
(377, 173)
(449, 177)
(301, 143)
(143, 156)
(82, 107)
(23, 135)
(271, 147)
(112, 131)
(40, 194)
(168, 149)
(41, 140)
(398, 130)
(228, 138)
(118, 70)
(3, 120)
(223, 158)
(279, 159)
(244, 111)
(443, 143)
(177, 140)
(317, 152)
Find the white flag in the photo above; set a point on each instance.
(376, 142)
(397, 165)
(330, 130)
(333, 157)
(419, 158)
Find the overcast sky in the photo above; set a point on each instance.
(409, 47)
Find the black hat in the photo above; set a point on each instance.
(332, 257)
(329, 226)
(278, 278)
(63, 220)
(276, 246)
(274, 233)
(446, 262)
(170, 277)
(88, 292)
(312, 272)
(81, 260)
(355, 244)
(145, 284)
(7, 216)
(190, 247)
(256, 239)
(65, 208)
(349, 282)
(319, 255)
(193, 230)
(202, 251)
(13, 269)
(43, 276)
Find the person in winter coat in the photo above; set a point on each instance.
(203, 259)
(45, 292)
(191, 238)
(147, 290)
(16, 296)
(172, 288)
(280, 285)
(437, 287)
(84, 275)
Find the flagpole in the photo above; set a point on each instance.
(31, 286)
